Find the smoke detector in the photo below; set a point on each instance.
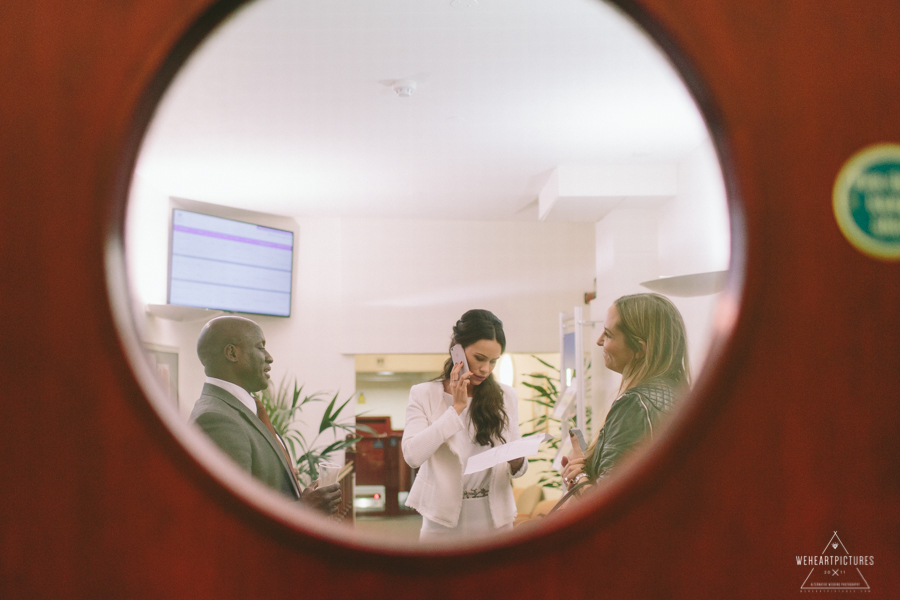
(404, 87)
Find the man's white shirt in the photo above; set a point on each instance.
(236, 391)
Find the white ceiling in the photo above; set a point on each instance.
(288, 107)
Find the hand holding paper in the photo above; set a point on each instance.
(520, 448)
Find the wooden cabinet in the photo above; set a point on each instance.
(379, 461)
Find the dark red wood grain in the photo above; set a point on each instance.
(793, 433)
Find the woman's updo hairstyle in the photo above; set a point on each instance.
(486, 410)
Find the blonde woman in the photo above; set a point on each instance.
(644, 340)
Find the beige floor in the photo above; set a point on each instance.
(405, 527)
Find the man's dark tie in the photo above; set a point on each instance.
(264, 417)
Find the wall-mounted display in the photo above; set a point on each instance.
(230, 265)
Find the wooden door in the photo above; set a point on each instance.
(793, 435)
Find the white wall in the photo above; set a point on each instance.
(407, 282)
(687, 234)
(374, 286)
(387, 399)
(627, 254)
(381, 286)
(304, 345)
(694, 235)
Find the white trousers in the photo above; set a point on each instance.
(474, 521)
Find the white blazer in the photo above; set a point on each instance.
(427, 443)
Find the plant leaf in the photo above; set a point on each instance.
(327, 418)
(543, 376)
(338, 445)
(545, 363)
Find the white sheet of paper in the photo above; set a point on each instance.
(526, 446)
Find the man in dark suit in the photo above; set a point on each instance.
(233, 352)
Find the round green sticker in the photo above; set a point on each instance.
(867, 201)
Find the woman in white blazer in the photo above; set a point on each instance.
(457, 416)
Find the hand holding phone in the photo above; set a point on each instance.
(459, 384)
(573, 464)
(578, 437)
(458, 355)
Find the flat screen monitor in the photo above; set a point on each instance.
(230, 265)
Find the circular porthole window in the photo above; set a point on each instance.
(354, 178)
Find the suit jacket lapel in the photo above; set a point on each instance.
(250, 417)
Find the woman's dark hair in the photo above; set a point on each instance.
(486, 411)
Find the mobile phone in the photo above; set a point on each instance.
(580, 436)
(459, 355)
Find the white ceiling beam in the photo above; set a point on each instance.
(589, 193)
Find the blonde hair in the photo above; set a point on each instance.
(654, 320)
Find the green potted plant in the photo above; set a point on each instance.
(546, 394)
(285, 406)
